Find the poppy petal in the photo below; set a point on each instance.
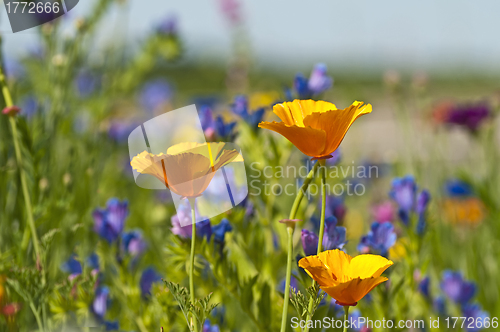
(317, 270)
(308, 140)
(366, 266)
(354, 290)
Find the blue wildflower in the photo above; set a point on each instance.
(204, 229)
(301, 87)
(456, 288)
(423, 286)
(168, 26)
(458, 188)
(101, 302)
(72, 266)
(86, 83)
(109, 222)
(422, 202)
(379, 239)
(476, 314)
(148, 277)
(319, 81)
(207, 121)
(335, 206)
(155, 93)
(293, 284)
(334, 237)
(119, 130)
(133, 243)
(221, 229)
(224, 130)
(93, 263)
(240, 108)
(439, 305)
(208, 327)
(29, 106)
(111, 326)
(404, 193)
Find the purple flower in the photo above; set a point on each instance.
(309, 242)
(155, 93)
(207, 121)
(86, 83)
(301, 86)
(458, 188)
(109, 222)
(476, 314)
(293, 284)
(439, 305)
(29, 106)
(133, 243)
(101, 302)
(335, 207)
(334, 237)
(224, 130)
(456, 288)
(383, 212)
(403, 192)
(335, 159)
(379, 239)
(148, 277)
(240, 106)
(183, 217)
(319, 81)
(231, 9)
(204, 229)
(207, 327)
(119, 130)
(168, 26)
(422, 201)
(423, 286)
(111, 326)
(470, 116)
(93, 263)
(219, 231)
(72, 266)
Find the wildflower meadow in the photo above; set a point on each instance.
(359, 200)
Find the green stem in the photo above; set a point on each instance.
(323, 205)
(24, 184)
(346, 317)
(191, 265)
(37, 316)
(286, 298)
(293, 212)
(321, 231)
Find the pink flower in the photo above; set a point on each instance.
(383, 212)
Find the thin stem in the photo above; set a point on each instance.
(302, 191)
(323, 206)
(286, 297)
(24, 184)
(321, 231)
(191, 265)
(346, 317)
(37, 316)
(293, 212)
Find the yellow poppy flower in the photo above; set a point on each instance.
(315, 127)
(344, 278)
(186, 168)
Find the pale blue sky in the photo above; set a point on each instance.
(357, 33)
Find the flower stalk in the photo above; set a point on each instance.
(321, 229)
(191, 264)
(346, 317)
(290, 229)
(24, 184)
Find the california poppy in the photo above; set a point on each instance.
(344, 278)
(315, 127)
(186, 168)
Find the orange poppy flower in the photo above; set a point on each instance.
(186, 168)
(315, 127)
(344, 278)
(466, 211)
